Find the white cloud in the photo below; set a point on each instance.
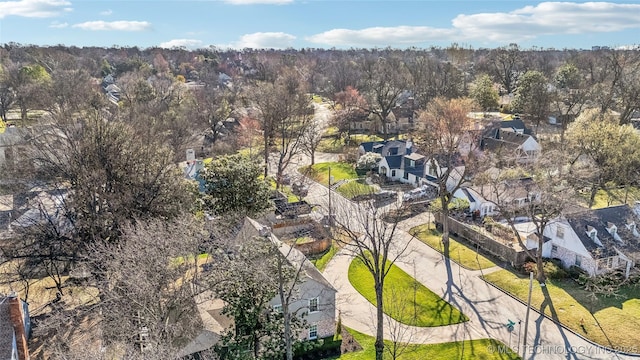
(114, 25)
(106, 12)
(263, 40)
(58, 25)
(262, 2)
(187, 43)
(547, 18)
(34, 8)
(381, 35)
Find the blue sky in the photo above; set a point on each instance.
(320, 23)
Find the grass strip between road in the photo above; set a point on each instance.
(458, 252)
(486, 349)
(609, 321)
(405, 299)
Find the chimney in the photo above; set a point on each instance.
(265, 231)
(18, 322)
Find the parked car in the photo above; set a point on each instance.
(416, 193)
(385, 195)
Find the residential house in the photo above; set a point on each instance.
(314, 297)
(596, 240)
(513, 147)
(9, 139)
(487, 198)
(477, 203)
(6, 209)
(15, 328)
(363, 123)
(387, 148)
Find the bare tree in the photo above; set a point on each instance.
(372, 241)
(311, 139)
(540, 192)
(285, 113)
(383, 82)
(506, 65)
(401, 334)
(148, 283)
(450, 141)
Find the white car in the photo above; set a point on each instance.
(415, 194)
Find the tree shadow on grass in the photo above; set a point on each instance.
(554, 315)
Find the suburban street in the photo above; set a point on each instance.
(488, 309)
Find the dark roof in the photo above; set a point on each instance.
(515, 124)
(598, 219)
(468, 195)
(504, 139)
(383, 147)
(293, 255)
(419, 161)
(6, 329)
(5, 219)
(368, 146)
(394, 161)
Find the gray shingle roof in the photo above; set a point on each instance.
(394, 161)
(599, 219)
(293, 255)
(6, 330)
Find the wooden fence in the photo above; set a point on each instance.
(484, 242)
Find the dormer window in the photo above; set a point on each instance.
(613, 231)
(592, 233)
(632, 227)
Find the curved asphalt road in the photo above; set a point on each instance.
(488, 308)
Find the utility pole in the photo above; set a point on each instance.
(330, 212)
(526, 319)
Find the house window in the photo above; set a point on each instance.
(313, 305)
(560, 232)
(554, 248)
(393, 173)
(277, 308)
(412, 163)
(313, 332)
(406, 176)
(578, 261)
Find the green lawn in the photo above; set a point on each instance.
(322, 261)
(360, 138)
(458, 252)
(331, 145)
(484, 349)
(284, 189)
(354, 188)
(611, 197)
(615, 322)
(405, 299)
(339, 170)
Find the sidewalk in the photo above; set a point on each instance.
(488, 308)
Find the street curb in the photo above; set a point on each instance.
(441, 253)
(560, 324)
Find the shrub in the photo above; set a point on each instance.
(576, 272)
(552, 269)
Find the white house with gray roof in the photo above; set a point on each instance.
(598, 241)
